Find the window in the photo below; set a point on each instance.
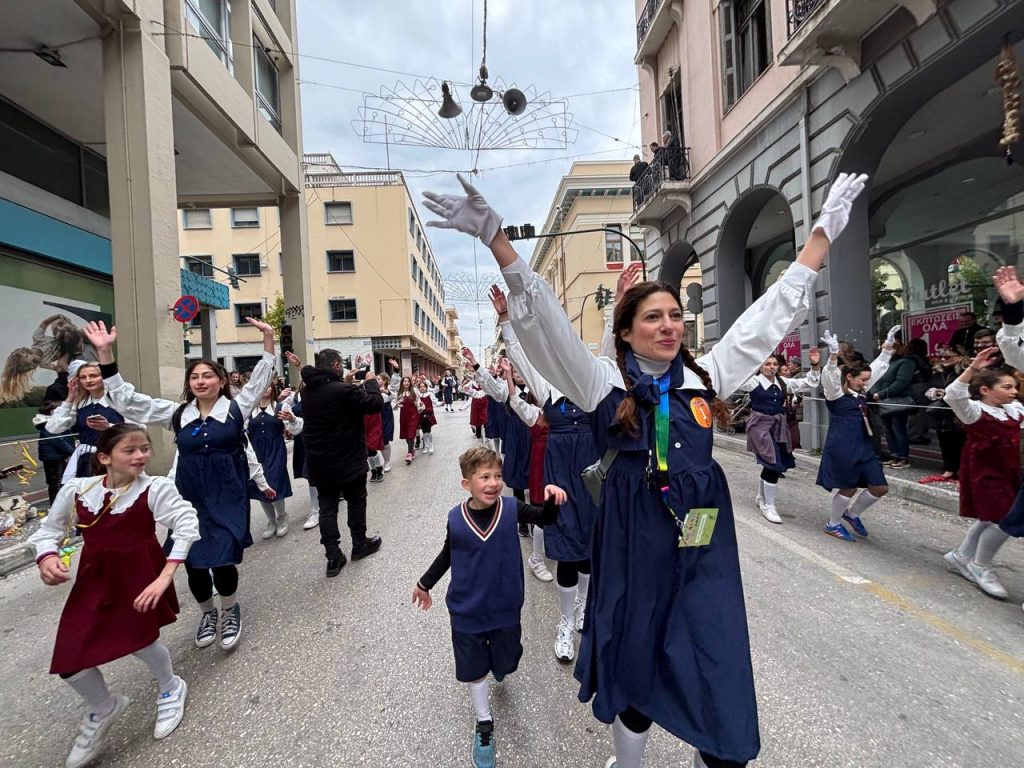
(341, 261)
(268, 98)
(211, 19)
(342, 310)
(613, 245)
(338, 213)
(672, 108)
(247, 264)
(746, 46)
(200, 265)
(243, 311)
(412, 222)
(197, 218)
(245, 218)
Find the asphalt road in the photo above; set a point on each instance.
(866, 655)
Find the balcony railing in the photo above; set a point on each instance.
(367, 179)
(643, 24)
(670, 164)
(800, 11)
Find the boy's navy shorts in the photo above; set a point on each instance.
(477, 653)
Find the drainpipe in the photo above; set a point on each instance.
(805, 194)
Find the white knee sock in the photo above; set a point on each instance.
(760, 488)
(387, 453)
(768, 491)
(90, 685)
(969, 545)
(538, 543)
(840, 504)
(269, 510)
(861, 503)
(314, 499)
(158, 659)
(567, 603)
(583, 586)
(228, 601)
(480, 693)
(991, 539)
(279, 512)
(629, 746)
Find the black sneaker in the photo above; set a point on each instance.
(365, 548)
(207, 631)
(524, 530)
(335, 564)
(419, 442)
(230, 627)
(377, 475)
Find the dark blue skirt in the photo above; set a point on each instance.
(849, 460)
(516, 446)
(567, 455)
(783, 460)
(387, 423)
(1013, 523)
(666, 628)
(497, 418)
(272, 451)
(215, 484)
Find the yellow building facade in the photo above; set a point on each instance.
(376, 291)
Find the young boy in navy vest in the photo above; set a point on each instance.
(486, 592)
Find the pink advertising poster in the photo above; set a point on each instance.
(935, 325)
(789, 346)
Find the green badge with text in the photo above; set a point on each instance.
(698, 527)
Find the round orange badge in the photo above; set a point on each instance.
(701, 411)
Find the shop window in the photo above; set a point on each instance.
(342, 310)
(337, 213)
(746, 45)
(245, 218)
(341, 261)
(887, 294)
(268, 93)
(196, 218)
(242, 311)
(212, 20)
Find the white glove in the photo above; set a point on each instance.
(470, 214)
(931, 393)
(835, 213)
(890, 337)
(832, 342)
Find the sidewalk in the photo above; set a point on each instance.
(903, 483)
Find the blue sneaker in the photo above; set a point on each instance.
(483, 745)
(839, 531)
(856, 524)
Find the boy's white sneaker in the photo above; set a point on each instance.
(91, 732)
(170, 708)
(564, 649)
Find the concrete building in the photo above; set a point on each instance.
(113, 116)
(376, 289)
(791, 92)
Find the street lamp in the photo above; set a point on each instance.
(526, 232)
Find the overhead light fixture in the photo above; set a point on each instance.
(449, 107)
(481, 91)
(50, 55)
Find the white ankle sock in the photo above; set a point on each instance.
(480, 693)
(158, 659)
(629, 746)
(538, 543)
(90, 685)
(768, 491)
(583, 586)
(567, 603)
(840, 504)
(861, 503)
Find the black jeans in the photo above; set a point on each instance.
(354, 493)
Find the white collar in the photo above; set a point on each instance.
(220, 412)
(765, 383)
(1002, 413)
(104, 400)
(271, 409)
(93, 491)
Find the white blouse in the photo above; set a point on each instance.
(832, 376)
(969, 411)
(805, 385)
(1011, 344)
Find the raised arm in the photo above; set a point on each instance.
(832, 377)
(534, 381)
(263, 373)
(493, 388)
(1010, 337)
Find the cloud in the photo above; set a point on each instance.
(569, 47)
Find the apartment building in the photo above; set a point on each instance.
(376, 290)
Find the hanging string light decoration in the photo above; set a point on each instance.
(1008, 80)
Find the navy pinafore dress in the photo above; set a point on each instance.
(298, 444)
(90, 436)
(666, 629)
(515, 445)
(266, 436)
(497, 422)
(772, 402)
(569, 451)
(387, 421)
(848, 459)
(213, 475)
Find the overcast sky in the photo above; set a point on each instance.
(566, 47)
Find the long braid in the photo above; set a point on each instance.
(626, 413)
(718, 407)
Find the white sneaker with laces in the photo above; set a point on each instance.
(564, 648)
(771, 514)
(540, 569)
(281, 529)
(268, 530)
(987, 580)
(581, 607)
(170, 708)
(312, 520)
(91, 731)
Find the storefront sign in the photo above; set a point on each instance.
(789, 346)
(935, 325)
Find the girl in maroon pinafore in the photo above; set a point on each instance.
(408, 403)
(989, 468)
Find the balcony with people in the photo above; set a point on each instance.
(663, 184)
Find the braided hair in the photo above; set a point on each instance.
(625, 313)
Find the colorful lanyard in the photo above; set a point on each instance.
(661, 427)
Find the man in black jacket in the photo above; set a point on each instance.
(333, 413)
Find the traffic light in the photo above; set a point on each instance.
(233, 277)
(287, 343)
(602, 296)
(695, 298)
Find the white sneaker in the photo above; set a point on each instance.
(170, 708)
(770, 513)
(581, 607)
(387, 466)
(281, 530)
(268, 530)
(564, 649)
(957, 563)
(312, 520)
(987, 580)
(430, 450)
(540, 569)
(91, 731)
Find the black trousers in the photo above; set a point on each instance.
(331, 494)
(53, 470)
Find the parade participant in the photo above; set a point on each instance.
(387, 418)
(235, 383)
(427, 418)
(86, 412)
(373, 433)
(985, 401)
(479, 410)
(570, 450)
(486, 591)
(124, 590)
(768, 436)
(849, 460)
(54, 450)
(333, 413)
(265, 430)
(294, 404)
(941, 418)
(449, 385)
(665, 639)
(407, 401)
